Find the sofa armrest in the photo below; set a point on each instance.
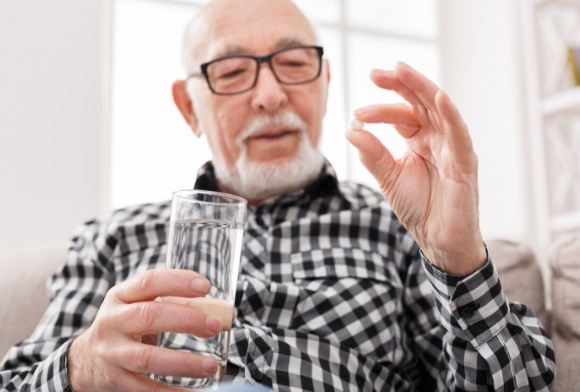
(24, 297)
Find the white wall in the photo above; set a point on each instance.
(52, 166)
(50, 119)
(483, 74)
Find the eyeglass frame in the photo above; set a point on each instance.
(259, 60)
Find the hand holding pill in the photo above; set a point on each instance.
(432, 188)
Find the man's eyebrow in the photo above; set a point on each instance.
(290, 41)
(231, 50)
(286, 42)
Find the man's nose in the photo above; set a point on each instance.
(269, 94)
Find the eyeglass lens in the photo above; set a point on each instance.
(237, 74)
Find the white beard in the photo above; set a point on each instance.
(259, 181)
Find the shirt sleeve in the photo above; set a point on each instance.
(44, 376)
(489, 342)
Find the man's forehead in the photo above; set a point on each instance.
(256, 27)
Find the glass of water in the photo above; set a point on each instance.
(205, 235)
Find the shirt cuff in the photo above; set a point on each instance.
(52, 373)
(474, 307)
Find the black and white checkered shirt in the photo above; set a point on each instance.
(334, 295)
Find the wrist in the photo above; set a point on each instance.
(73, 363)
(462, 263)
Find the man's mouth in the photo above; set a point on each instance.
(272, 135)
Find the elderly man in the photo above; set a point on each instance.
(340, 289)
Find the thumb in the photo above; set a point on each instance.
(373, 154)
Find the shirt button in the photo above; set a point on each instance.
(256, 374)
(467, 311)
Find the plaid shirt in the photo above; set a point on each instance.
(334, 295)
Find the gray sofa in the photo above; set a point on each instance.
(23, 276)
(24, 297)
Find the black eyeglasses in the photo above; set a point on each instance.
(239, 73)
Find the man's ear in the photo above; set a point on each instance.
(326, 76)
(327, 70)
(185, 105)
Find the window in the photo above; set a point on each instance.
(153, 152)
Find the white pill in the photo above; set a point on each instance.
(356, 124)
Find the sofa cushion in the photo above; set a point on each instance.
(520, 275)
(24, 297)
(565, 265)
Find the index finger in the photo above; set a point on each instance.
(399, 115)
(149, 285)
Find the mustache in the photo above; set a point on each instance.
(289, 120)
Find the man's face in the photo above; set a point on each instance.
(257, 27)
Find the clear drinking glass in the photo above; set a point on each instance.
(205, 235)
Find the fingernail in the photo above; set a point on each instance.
(213, 324)
(201, 285)
(380, 71)
(209, 365)
(360, 111)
